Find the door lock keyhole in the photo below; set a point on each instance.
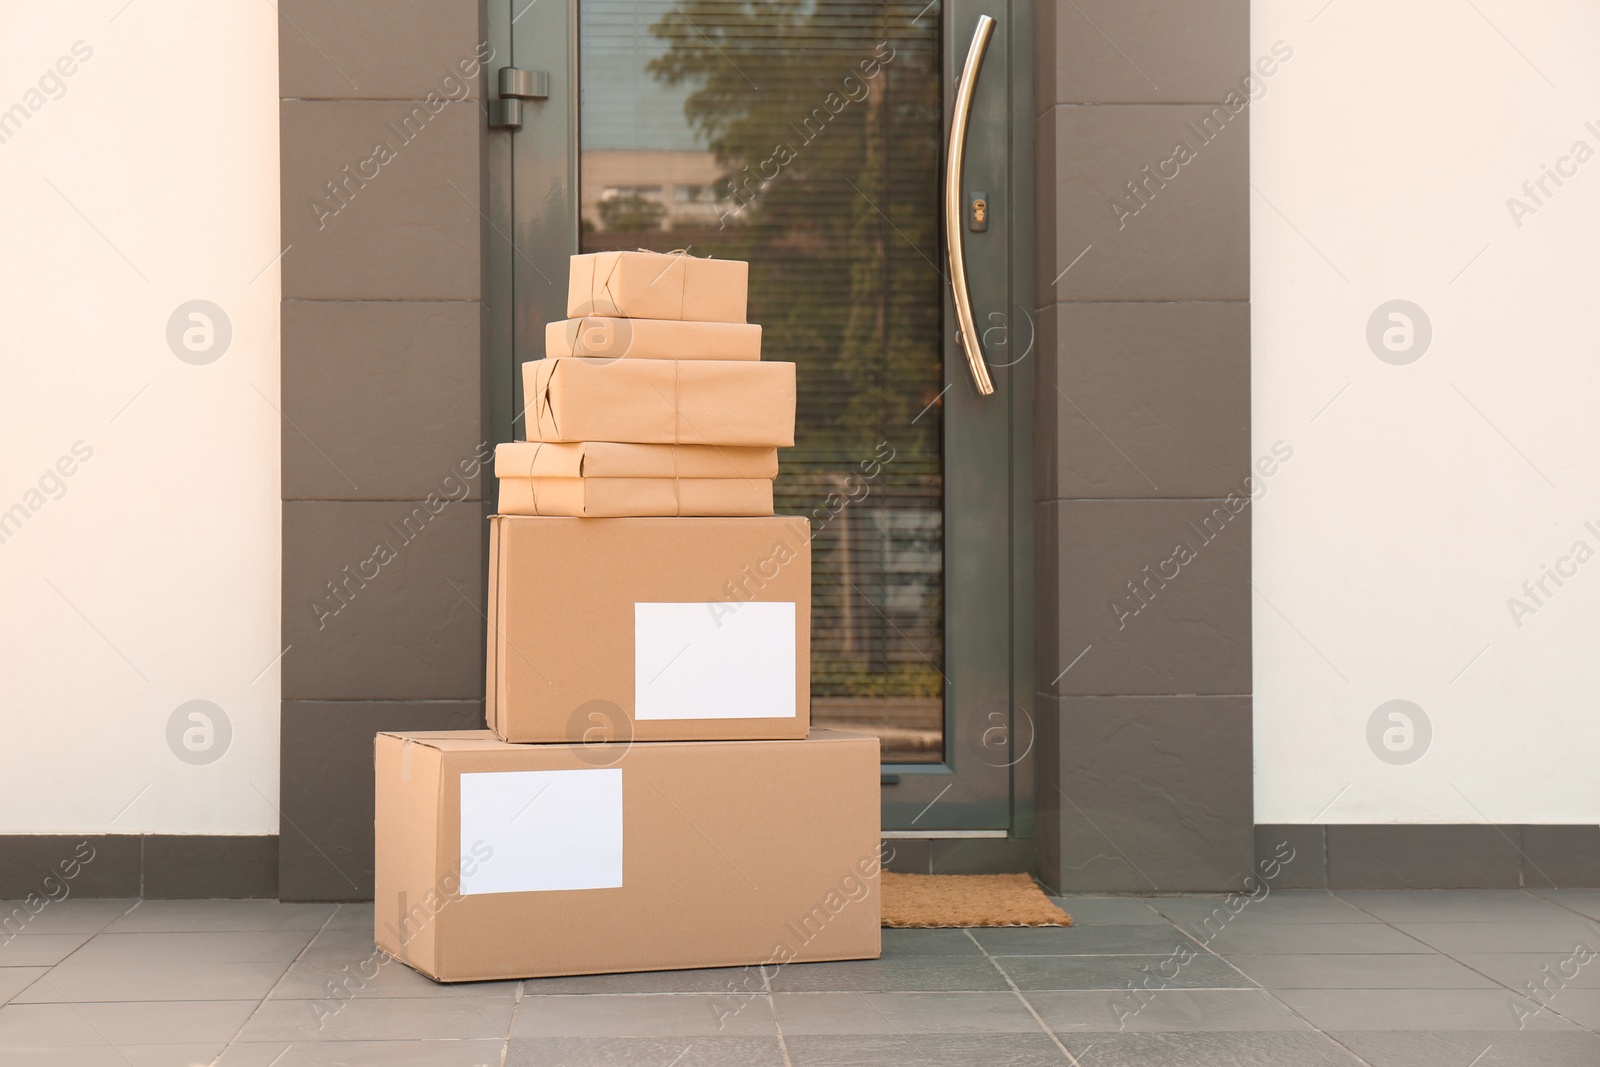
(978, 212)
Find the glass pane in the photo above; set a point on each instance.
(804, 138)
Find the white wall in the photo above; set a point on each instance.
(1423, 496)
(149, 577)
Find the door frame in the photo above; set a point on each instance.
(990, 747)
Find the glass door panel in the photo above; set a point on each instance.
(806, 139)
(809, 139)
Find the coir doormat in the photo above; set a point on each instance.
(941, 900)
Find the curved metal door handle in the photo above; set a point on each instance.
(953, 228)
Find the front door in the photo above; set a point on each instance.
(811, 139)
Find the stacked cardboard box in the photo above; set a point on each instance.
(649, 795)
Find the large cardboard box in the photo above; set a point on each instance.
(649, 629)
(658, 285)
(603, 337)
(603, 479)
(525, 861)
(660, 401)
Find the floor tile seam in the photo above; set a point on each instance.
(1323, 890)
(106, 1041)
(287, 967)
(1026, 1003)
(1278, 1005)
(85, 941)
(909, 1040)
(777, 1024)
(1588, 920)
(511, 1023)
(1559, 904)
(1514, 992)
(1403, 933)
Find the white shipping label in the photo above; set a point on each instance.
(714, 660)
(533, 831)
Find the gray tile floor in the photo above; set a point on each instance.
(1451, 978)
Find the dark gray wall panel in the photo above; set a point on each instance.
(382, 400)
(1142, 52)
(407, 228)
(1155, 793)
(1142, 416)
(1560, 856)
(377, 49)
(102, 865)
(1308, 844)
(1184, 628)
(1181, 237)
(414, 631)
(201, 866)
(125, 866)
(1148, 400)
(325, 832)
(1424, 857)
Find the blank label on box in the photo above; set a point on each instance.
(714, 660)
(541, 830)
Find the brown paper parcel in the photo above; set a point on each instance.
(657, 285)
(610, 498)
(660, 401)
(499, 861)
(605, 479)
(612, 459)
(648, 629)
(600, 337)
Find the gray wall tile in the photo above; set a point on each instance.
(414, 631)
(1423, 857)
(1190, 236)
(382, 400)
(1147, 400)
(1140, 52)
(200, 866)
(379, 49)
(1184, 634)
(1568, 856)
(1155, 793)
(326, 837)
(112, 868)
(1309, 867)
(408, 228)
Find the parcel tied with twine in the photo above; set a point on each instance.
(661, 401)
(602, 479)
(658, 285)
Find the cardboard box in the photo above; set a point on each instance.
(600, 337)
(660, 401)
(602, 479)
(649, 629)
(526, 861)
(658, 285)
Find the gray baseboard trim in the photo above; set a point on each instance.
(156, 866)
(1433, 856)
